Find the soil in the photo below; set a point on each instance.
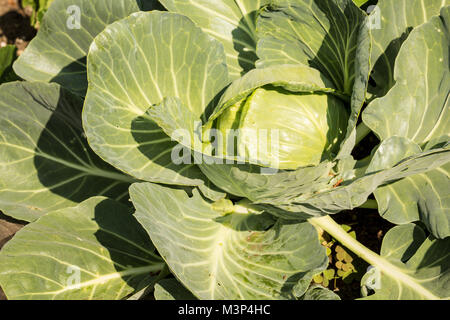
(369, 226)
(8, 227)
(15, 25)
(370, 229)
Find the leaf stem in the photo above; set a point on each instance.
(362, 131)
(370, 204)
(384, 266)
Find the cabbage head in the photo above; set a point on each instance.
(282, 129)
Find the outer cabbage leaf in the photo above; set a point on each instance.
(359, 90)
(417, 107)
(232, 22)
(392, 22)
(420, 267)
(7, 57)
(320, 33)
(96, 250)
(250, 182)
(353, 193)
(317, 292)
(134, 64)
(58, 52)
(421, 197)
(45, 161)
(225, 251)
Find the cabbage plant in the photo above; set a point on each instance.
(231, 126)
